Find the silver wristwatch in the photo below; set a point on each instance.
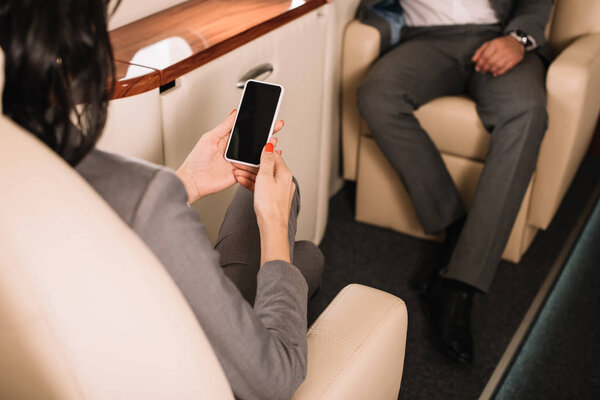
(526, 40)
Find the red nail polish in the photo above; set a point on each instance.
(269, 148)
(232, 112)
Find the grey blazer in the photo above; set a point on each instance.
(262, 350)
(530, 16)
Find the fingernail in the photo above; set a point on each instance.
(232, 112)
(280, 152)
(269, 148)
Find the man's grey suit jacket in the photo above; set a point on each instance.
(262, 350)
(529, 16)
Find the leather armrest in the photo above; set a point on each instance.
(356, 347)
(573, 88)
(361, 48)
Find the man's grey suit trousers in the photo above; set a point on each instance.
(436, 61)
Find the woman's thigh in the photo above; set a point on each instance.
(239, 245)
(307, 258)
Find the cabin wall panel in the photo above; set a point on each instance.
(206, 96)
(134, 127)
(340, 14)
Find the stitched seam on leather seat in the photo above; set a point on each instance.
(336, 340)
(329, 308)
(333, 336)
(361, 346)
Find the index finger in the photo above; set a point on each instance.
(280, 167)
(267, 162)
(278, 125)
(479, 51)
(243, 167)
(225, 127)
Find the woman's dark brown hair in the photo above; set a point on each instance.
(59, 63)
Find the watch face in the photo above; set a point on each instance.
(521, 37)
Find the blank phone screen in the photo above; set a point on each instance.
(253, 123)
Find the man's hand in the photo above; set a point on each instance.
(498, 56)
(205, 170)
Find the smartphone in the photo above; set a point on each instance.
(254, 123)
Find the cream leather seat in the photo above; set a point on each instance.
(87, 312)
(573, 88)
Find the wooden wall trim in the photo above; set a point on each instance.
(211, 28)
(143, 80)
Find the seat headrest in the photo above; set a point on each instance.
(86, 310)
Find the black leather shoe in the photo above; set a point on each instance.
(449, 305)
(425, 276)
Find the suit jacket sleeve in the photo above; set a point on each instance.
(531, 17)
(262, 350)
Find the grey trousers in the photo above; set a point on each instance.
(238, 244)
(436, 61)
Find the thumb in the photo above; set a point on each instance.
(225, 127)
(267, 161)
(280, 166)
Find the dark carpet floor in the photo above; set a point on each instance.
(559, 359)
(359, 253)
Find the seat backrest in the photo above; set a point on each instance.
(86, 310)
(572, 19)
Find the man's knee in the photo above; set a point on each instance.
(369, 95)
(521, 131)
(535, 119)
(376, 98)
(532, 115)
(538, 112)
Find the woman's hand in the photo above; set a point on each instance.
(206, 171)
(273, 194)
